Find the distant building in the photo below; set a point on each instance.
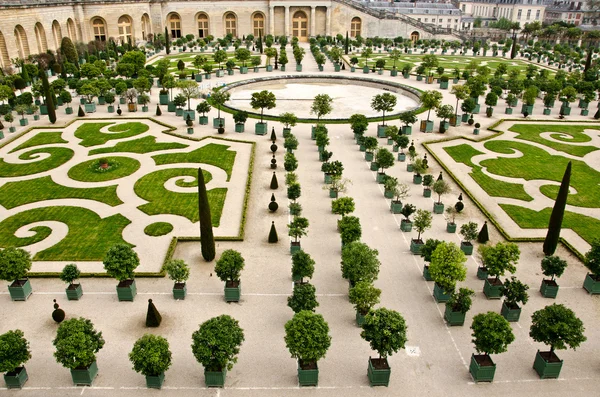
(565, 11)
(522, 11)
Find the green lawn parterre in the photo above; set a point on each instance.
(84, 172)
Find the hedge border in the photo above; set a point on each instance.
(481, 207)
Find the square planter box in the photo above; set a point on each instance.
(295, 247)
(16, 379)
(508, 111)
(23, 122)
(565, 110)
(239, 127)
(479, 371)
(492, 291)
(466, 247)
(308, 377)
(439, 294)
(170, 107)
(155, 382)
(451, 227)
(20, 290)
(438, 208)
(215, 379)
(443, 85)
(396, 207)
(198, 78)
(365, 69)
(547, 365)
(85, 376)
(244, 69)
(509, 313)
(217, 121)
(591, 284)
(388, 194)
(415, 247)
(379, 376)
(417, 179)
(454, 318)
(549, 289)
(360, 319)
(426, 126)
(191, 113)
(260, 128)
(426, 274)
(12, 129)
(126, 291)
(179, 291)
(482, 273)
(407, 129)
(74, 292)
(381, 131)
(69, 110)
(368, 156)
(298, 68)
(203, 120)
(547, 112)
(333, 193)
(405, 226)
(374, 166)
(402, 157)
(584, 112)
(232, 291)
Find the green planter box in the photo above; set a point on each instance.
(233, 292)
(295, 247)
(178, 112)
(260, 128)
(126, 291)
(438, 208)
(407, 130)
(454, 318)
(198, 78)
(396, 207)
(549, 289)
(466, 247)
(388, 194)
(444, 85)
(230, 72)
(308, 377)
(374, 166)
(426, 192)
(333, 193)
(12, 129)
(482, 273)
(482, 373)
(360, 319)
(511, 314)
(269, 68)
(69, 110)
(451, 227)
(191, 113)
(74, 292)
(439, 294)
(465, 117)
(90, 107)
(527, 108)
(381, 178)
(110, 108)
(20, 290)
(547, 112)
(379, 377)
(239, 127)
(203, 120)
(426, 274)
(405, 226)
(417, 179)
(591, 285)
(155, 382)
(428, 126)
(298, 68)
(23, 122)
(170, 107)
(84, 376)
(368, 156)
(179, 291)
(217, 121)
(492, 291)
(402, 157)
(220, 73)
(509, 111)
(286, 132)
(584, 112)
(337, 67)
(122, 101)
(215, 379)
(546, 368)
(415, 247)
(365, 69)
(16, 379)
(381, 131)
(565, 110)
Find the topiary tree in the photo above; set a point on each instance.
(359, 263)
(218, 98)
(217, 342)
(385, 102)
(364, 296)
(558, 212)
(321, 106)
(150, 355)
(303, 298)
(514, 292)
(483, 236)
(553, 266)
(343, 206)
(447, 266)
(14, 264)
(350, 229)
(77, 343)
(120, 262)
(303, 265)
(358, 123)
(14, 351)
(207, 240)
(70, 273)
(297, 227)
(385, 330)
(421, 223)
(229, 266)
(499, 258)
(468, 231)
(557, 326)
(261, 100)
(178, 270)
(307, 338)
(492, 333)
(441, 187)
(430, 100)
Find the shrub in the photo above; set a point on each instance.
(303, 298)
(307, 336)
(150, 355)
(14, 350)
(121, 261)
(77, 343)
(217, 342)
(428, 248)
(177, 270)
(342, 206)
(350, 229)
(14, 263)
(229, 266)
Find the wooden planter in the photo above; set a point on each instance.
(155, 381)
(482, 273)
(454, 318)
(74, 292)
(20, 290)
(492, 291)
(511, 314)
(379, 372)
(360, 318)
(396, 207)
(438, 208)
(233, 290)
(215, 378)
(591, 284)
(179, 291)
(426, 274)
(308, 376)
(482, 368)
(16, 379)
(439, 294)
(84, 376)
(547, 365)
(451, 227)
(549, 289)
(466, 247)
(415, 246)
(405, 226)
(126, 291)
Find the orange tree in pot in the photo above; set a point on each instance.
(498, 259)
(229, 268)
(14, 265)
(14, 352)
(491, 335)
(120, 263)
(552, 266)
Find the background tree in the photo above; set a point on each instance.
(321, 106)
(558, 212)
(67, 49)
(207, 240)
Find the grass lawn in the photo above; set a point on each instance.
(158, 229)
(41, 138)
(162, 201)
(143, 145)
(574, 134)
(493, 187)
(84, 172)
(58, 156)
(90, 134)
(213, 154)
(587, 227)
(88, 239)
(14, 194)
(189, 58)
(539, 164)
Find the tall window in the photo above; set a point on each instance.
(99, 29)
(537, 15)
(528, 14)
(202, 25)
(519, 14)
(355, 27)
(258, 24)
(231, 24)
(175, 25)
(146, 28)
(125, 29)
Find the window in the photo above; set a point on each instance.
(125, 29)
(464, 7)
(231, 24)
(426, 19)
(175, 25)
(519, 14)
(419, 19)
(99, 29)
(355, 27)
(528, 14)
(258, 23)
(202, 25)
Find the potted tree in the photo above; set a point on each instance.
(302, 266)
(451, 213)
(491, 100)
(426, 252)
(510, 100)
(498, 259)
(444, 112)
(77, 343)
(383, 103)
(370, 144)
(179, 272)
(447, 267)
(359, 124)
(384, 159)
(151, 357)
(429, 100)
(558, 327)
(290, 143)
(359, 263)
(332, 169)
(419, 167)
(69, 274)
(350, 229)
(363, 296)
(440, 187)
(303, 298)
(421, 223)
(408, 118)
(307, 338)
(389, 186)
(66, 97)
(406, 224)
(400, 192)
(552, 266)
(216, 345)
(14, 265)
(401, 142)
(342, 206)
(229, 268)
(288, 120)
(491, 335)
(296, 229)
(336, 186)
(261, 100)
(109, 98)
(469, 232)
(240, 118)
(592, 262)
(514, 292)
(203, 108)
(218, 98)
(120, 262)
(385, 330)
(461, 92)
(131, 95)
(298, 53)
(457, 306)
(21, 111)
(14, 352)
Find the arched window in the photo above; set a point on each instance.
(146, 27)
(4, 58)
(71, 30)
(231, 24)
(56, 33)
(175, 26)
(40, 37)
(99, 29)
(125, 29)
(22, 44)
(258, 24)
(300, 25)
(202, 25)
(414, 36)
(355, 27)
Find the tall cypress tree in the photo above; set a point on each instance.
(49, 95)
(346, 44)
(558, 213)
(207, 240)
(167, 44)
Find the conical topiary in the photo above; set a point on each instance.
(273, 136)
(158, 111)
(153, 317)
(440, 177)
(274, 183)
(597, 115)
(80, 112)
(207, 240)
(483, 236)
(273, 234)
(1, 125)
(558, 212)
